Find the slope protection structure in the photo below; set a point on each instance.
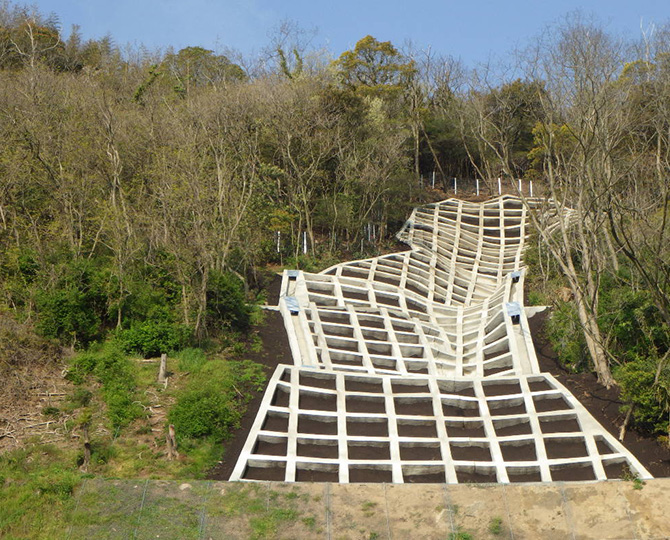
(419, 366)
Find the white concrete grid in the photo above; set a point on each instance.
(344, 427)
(410, 367)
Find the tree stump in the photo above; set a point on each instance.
(171, 440)
(87, 449)
(162, 371)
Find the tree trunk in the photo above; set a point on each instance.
(626, 421)
(593, 341)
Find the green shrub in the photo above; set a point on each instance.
(80, 397)
(636, 380)
(51, 411)
(216, 399)
(633, 321)
(152, 338)
(564, 331)
(101, 452)
(73, 310)
(495, 526)
(226, 303)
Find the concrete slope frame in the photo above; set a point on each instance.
(419, 367)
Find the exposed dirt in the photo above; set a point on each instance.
(276, 350)
(602, 403)
(33, 390)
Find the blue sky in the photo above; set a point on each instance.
(472, 30)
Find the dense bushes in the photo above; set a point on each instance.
(216, 398)
(80, 301)
(226, 303)
(637, 339)
(152, 338)
(636, 379)
(74, 308)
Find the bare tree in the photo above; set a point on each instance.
(580, 129)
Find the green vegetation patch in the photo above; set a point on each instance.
(118, 376)
(37, 487)
(154, 337)
(216, 397)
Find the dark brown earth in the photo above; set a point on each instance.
(602, 403)
(275, 350)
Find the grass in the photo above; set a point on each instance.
(257, 512)
(638, 484)
(495, 526)
(70, 505)
(128, 430)
(37, 488)
(191, 359)
(309, 521)
(368, 508)
(106, 505)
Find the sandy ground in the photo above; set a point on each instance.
(158, 509)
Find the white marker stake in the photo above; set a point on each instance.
(304, 242)
(531, 188)
(520, 190)
(477, 181)
(499, 186)
(455, 186)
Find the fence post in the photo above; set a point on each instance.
(433, 184)
(162, 370)
(455, 186)
(531, 188)
(520, 187)
(499, 186)
(304, 242)
(477, 183)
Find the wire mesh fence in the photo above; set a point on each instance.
(201, 509)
